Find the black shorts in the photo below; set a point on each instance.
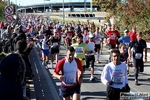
(90, 61)
(54, 50)
(112, 46)
(113, 93)
(97, 47)
(66, 92)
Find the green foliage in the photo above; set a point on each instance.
(128, 13)
(2, 5)
(2, 8)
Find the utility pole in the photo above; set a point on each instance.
(44, 6)
(8, 3)
(91, 6)
(63, 12)
(85, 5)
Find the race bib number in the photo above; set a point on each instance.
(79, 50)
(138, 56)
(127, 44)
(97, 42)
(55, 44)
(69, 81)
(69, 36)
(113, 37)
(117, 80)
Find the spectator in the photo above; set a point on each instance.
(12, 69)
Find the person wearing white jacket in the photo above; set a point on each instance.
(114, 76)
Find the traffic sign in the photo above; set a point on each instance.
(9, 10)
(9, 18)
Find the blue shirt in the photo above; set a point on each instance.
(125, 40)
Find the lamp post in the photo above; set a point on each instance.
(63, 11)
(44, 6)
(91, 6)
(84, 5)
(8, 3)
(23, 6)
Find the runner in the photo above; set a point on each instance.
(138, 45)
(132, 34)
(54, 47)
(85, 35)
(81, 49)
(114, 76)
(97, 39)
(45, 50)
(71, 75)
(90, 58)
(113, 36)
(125, 40)
(69, 35)
(39, 37)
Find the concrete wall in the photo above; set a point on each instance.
(96, 21)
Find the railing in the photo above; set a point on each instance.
(81, 15)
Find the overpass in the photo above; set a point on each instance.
(54, 6)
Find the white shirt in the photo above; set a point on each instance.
(70, 70)
(44, 44)
(97, 36)
(116, 74)
(91, 46)
(85, 38)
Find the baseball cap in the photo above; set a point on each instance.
(133, 27)
(126, 31)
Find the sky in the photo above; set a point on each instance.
(28, 2)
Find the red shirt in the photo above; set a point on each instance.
(69, 71)
(59, 32)
(69, 34)
(112, 35)
(1, 25)
(87, 41)
(132, 36)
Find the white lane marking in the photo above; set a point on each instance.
(49, 81)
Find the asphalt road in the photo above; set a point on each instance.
(45, 87)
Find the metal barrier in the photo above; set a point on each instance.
(81, 15)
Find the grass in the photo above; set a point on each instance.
(2, 18)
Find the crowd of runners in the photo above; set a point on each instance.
(84, 42)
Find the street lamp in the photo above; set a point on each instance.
(63, 11)
(21, 2)
(85, 5)
(91, 7)
(8, 3)
(44, 4)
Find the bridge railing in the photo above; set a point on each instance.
(81, 15)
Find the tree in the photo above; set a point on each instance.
(2, 5)
(127, 13)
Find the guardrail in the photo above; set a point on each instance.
(81, 15)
